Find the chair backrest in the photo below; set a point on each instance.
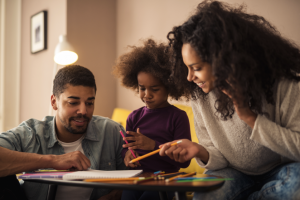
(120, 115)
(193, 167)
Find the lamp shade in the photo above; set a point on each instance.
(64, 53)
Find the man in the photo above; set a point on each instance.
(74, 138)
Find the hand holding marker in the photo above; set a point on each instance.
(127, 143)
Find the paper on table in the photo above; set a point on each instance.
(101, 174)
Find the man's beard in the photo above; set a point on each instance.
(76, 131)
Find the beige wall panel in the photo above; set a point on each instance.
(37, 69)
(91, 28)
(138, 19)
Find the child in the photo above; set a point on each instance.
(146, 69)
(243, 79)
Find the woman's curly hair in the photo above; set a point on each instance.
(245, 51)
(150, 58)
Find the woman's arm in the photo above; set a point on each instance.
(282, 134)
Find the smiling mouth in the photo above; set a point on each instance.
(201, 84)
(80, 121)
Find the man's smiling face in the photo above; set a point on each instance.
(75, 108)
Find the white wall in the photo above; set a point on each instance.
(138, 19)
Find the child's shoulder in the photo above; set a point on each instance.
(177, 110)
(137, 111)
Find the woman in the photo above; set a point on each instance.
(245, 91)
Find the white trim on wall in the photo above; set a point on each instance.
(10, 54)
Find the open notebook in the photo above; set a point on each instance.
(101, 174)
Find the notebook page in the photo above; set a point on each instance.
(101, 174)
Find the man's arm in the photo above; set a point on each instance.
(13, 162)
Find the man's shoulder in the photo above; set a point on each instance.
(35, 123)
(104, 121)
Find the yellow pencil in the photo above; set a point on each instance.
(185, 175)
(151, 153)
(114, 179)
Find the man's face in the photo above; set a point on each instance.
(75, 107)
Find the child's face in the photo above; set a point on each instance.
(199, 72)
(152, 92)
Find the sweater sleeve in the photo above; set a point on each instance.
(216, 159)
(282, 135)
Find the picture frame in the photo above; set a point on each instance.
(38, 32)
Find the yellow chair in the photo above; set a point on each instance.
(193, 167)
(120, 115)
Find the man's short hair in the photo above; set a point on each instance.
(74, 75)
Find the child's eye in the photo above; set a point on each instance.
(72, 103)
(198, 69)
(155, 90)
(143, 89)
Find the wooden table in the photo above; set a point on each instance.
(180, 189)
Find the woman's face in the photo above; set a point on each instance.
(199, 72)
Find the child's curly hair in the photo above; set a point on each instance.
(150, 58)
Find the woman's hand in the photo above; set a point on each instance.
(184, 151)
(139, 141)
(129, 157)
(243, 111)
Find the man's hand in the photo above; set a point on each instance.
(113, 195)
(75, 160)
(129, 157)
(139, 141)
(184, 151)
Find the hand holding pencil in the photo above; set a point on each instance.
(151, 153)
(129, 156)
(185, 151)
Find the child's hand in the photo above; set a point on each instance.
(184, 151)
(129, 157)
(139, 141)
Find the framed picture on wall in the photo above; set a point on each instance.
(38, 33)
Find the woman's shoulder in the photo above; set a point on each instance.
(287, 87)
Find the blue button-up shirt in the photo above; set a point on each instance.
(102, 145)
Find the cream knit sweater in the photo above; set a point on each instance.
(275, 138)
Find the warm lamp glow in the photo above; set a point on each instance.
(64, 53)
(65, 57)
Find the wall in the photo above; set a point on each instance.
(37, 69)
(10, 40)
(100, 30)
(91, 29)
(142, 19)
